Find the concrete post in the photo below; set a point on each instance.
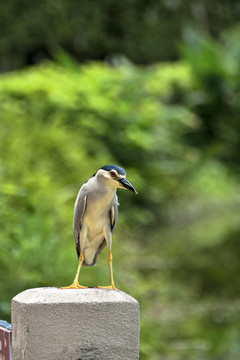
(84, 324)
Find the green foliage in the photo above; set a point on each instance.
(176, 244)
(216, 98)
(57, 127)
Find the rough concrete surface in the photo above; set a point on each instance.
(75, 324)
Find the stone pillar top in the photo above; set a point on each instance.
(54, 295)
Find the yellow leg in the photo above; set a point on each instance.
(75, 284)
(111, 286)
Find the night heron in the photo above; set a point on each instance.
(95, 217)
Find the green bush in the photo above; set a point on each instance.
(57, 127)
(215, 96)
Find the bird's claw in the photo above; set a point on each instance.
(111, 287)
(75, 285)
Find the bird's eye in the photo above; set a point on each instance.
(112, 173)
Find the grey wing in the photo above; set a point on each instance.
(79, 210)
(114, 213)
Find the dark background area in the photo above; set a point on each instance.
(143, 31)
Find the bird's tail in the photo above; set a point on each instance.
(90, 259)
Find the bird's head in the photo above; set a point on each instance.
(115, 177)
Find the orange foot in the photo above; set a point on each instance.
(112, 287)
(75, 285)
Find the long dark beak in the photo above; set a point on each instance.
(126, 184)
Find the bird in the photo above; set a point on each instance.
(95, 216)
